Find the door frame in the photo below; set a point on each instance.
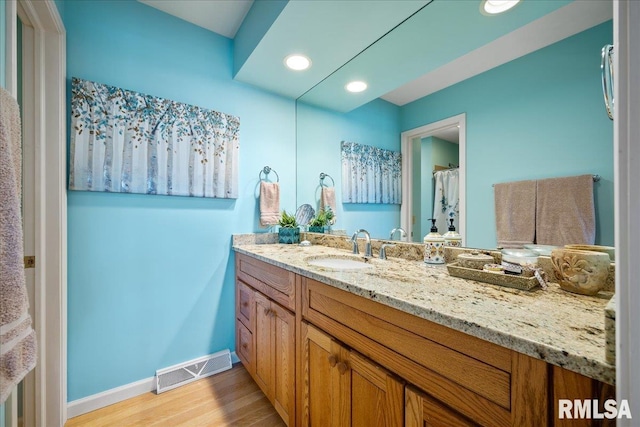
(47, 394)
(406, 141)
(626, 137)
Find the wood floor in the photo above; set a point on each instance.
(230, 398)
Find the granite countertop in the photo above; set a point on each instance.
(559, 327)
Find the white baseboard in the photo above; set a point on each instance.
(109, 397)
(118, 394)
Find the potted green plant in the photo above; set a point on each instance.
(321, 220)
(288, 232)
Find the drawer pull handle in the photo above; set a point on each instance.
(332, 360)
(342, 367)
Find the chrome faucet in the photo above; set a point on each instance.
(383, 250)
(367, 245)
(401, 230)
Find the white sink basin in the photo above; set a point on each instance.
(338, 262)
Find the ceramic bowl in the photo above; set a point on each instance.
(581, 272)
(544, 250)
(606, 249)
(520, 256)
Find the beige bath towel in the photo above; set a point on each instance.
(269, 203)
(17, 338)
(515, 204)
(328, 198)
(565, 211)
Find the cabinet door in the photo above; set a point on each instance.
(284, 353)
(244, 347)
(343, 388)
(245, 306)
(263, 336)
(422, 410)
(377, 398)
(326, 397)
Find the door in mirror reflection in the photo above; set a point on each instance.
(433, 163)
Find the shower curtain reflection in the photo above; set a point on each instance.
(446, 203)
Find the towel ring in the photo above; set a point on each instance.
(266, 171)
(323, 176)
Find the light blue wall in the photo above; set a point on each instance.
(151, 278)
(319, 133)
(444, 152)
(539, 116)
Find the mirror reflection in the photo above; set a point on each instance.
(537, 114)
(432, 159)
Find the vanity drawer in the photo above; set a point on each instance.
(245, 305)
(244, 350)
(274, 282)
(477, 381)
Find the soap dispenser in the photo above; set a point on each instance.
(433, 246)
(452, 237)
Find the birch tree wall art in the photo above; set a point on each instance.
(127, 142)
(370, 174)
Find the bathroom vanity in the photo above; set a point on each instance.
(402, 343)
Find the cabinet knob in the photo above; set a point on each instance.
(244, 345)
(332, 360)
(342, 367)
(245, 304)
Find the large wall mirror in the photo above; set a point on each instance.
(526, 84)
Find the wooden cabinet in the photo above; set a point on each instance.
(422, 410)
(265, 337)
(275, 355)
(343, 388)
(464, 372)
(327, 357)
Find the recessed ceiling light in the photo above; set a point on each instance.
(356, 86)
(297, 62)
(493, 7)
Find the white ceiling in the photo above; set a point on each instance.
(451, 134)
(226, 16)
(564, 22)
(220, 16)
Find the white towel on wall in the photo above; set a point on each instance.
(17, 337)
(565, 211)
(515, 209)
(328, 198)
(269, 203)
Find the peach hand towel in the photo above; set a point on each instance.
(515, 204)
(328, 198)
(17, 338)
(269, 203)
(565, 211)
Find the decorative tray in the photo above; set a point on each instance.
(501, 279)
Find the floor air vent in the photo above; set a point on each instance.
(184, 373)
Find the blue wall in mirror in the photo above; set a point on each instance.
(539, 116)
(319, 133)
